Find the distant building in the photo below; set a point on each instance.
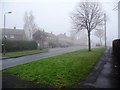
(81, 38)
(69, 41)
(51, 41)
(45, 39)
(81, 42)
(13, 34)
(64, 40)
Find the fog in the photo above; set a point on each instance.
(54, 15)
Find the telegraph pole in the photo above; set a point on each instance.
(4, 32)
(4, 37)
(105, 28)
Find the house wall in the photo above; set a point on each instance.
(14, 34)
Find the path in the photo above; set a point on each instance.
(105, 73)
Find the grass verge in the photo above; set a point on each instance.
(60, 71)
(23, 53)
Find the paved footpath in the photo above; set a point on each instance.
(105, 74)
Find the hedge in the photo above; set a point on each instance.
(11, 46)
(116, 49)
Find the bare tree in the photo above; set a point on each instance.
(40, 37)
(29, 26)
(99, 33)
(32, 24)
(26, 24)
(88, 16)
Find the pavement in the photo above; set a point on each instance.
(11, 81)
(6, 63)
(105, 73)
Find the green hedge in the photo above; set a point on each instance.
(11, 46)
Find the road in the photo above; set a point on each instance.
(6, 63)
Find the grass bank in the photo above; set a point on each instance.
(22, 53)
(60, 71)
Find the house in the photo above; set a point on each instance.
(64, 40)
(51, 40)
(13, 34)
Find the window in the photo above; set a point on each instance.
(11, 36)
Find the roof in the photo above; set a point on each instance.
(47, 33)
(51, 34)
(14, 31)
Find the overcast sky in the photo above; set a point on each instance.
(54, 15)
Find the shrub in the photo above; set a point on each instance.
(11, 46)
(116, 49)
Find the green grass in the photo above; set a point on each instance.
(21, 53)
(60, 71)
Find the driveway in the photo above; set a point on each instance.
(6, 63)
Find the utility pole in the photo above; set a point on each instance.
(4, 31)
(105, 28)
(4, 37)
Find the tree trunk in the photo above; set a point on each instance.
(89, 42)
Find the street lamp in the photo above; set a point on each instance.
(4, 31)
(105, 29)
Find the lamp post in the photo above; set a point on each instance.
(105, 29)
(4, 31)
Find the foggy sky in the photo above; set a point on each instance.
(53, 15)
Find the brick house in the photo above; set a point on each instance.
(13, 34)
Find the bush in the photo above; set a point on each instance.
(116, 49)
(11, 46)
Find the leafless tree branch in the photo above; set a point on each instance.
(88, 16)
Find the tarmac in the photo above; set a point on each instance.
(105, 73)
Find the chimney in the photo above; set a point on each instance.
(14, 28)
